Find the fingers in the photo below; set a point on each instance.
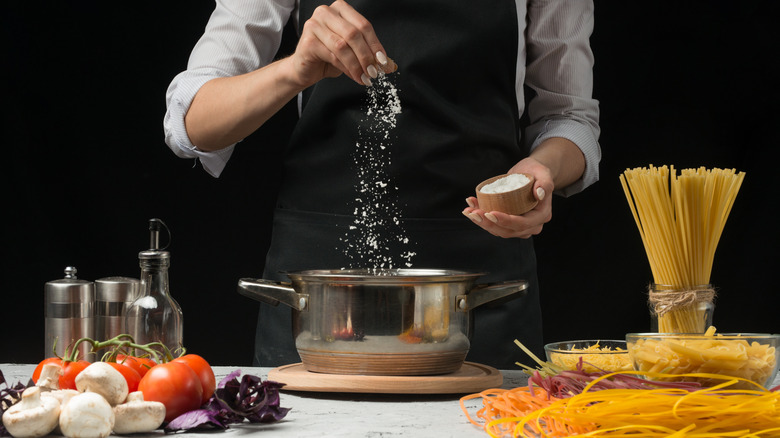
(385, 63)
(540, 192)
(503, 225)
(350, 41)
(509, 226)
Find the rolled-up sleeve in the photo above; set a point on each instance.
(241, 36)
(559, 70)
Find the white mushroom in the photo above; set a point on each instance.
(137, 415)
(49, 382)
(49, 379)
(105, 380)
(33, 415)
(87, 415)
(61, 395)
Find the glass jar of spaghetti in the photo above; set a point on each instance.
(681, 309)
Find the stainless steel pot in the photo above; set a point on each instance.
(392, 322)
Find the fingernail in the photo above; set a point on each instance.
(372, 71)
(470, 202)
(366, 80)
(381, 58)
(540, 193)
(491, 217)
(475, 217)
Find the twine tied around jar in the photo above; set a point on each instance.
(672, 298)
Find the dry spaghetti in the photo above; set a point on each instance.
(680, 220)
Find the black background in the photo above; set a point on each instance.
(85, 166)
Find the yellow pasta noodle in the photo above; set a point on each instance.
(711, 353)
(720, 411)
(594, 358)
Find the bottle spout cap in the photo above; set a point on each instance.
(155, 251)
(155, 225)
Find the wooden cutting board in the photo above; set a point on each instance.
(471, 377)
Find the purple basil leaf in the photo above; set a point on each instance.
(268, 410)
(232, 376)
(269, 414)
(197, 419)
(250, 399)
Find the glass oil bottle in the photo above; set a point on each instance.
(155, 316)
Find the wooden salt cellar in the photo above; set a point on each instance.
(514, 202)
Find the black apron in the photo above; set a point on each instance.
(459, 125)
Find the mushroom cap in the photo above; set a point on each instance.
(137, 415)
(105, 380)
(61, 395)
(50, 376)
(33, 416)
(87, 415)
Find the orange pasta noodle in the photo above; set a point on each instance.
(719, 411)
(503, 408)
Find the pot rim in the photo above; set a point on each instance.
(384, 276)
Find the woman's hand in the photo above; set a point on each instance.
(524, 226)
(335, 40)
(555, 162)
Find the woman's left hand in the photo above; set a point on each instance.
(528, 224)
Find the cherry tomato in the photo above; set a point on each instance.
(131, 376)
(140, 364)
(175, 385)
(204, 372)
(69, 371)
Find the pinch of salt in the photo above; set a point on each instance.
(506, 184)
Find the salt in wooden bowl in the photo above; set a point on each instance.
(508, 198)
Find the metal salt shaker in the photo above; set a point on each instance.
(113, 295)
(69, 313)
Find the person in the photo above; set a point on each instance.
(486, 88)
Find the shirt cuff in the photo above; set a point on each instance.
(180, 97)
(581, 135)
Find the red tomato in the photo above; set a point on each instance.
(69, 371)
(204, 372)
(131, 376)
(175, 385)
(140, 364)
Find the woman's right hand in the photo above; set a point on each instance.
(335, 40)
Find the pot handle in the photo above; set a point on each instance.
(273, 293)
(485, 293)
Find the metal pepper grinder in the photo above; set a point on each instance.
(113, 295)
(69, 313)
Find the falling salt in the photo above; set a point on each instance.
(372, 240)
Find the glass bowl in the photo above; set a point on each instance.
(597, 355)
(753, 357)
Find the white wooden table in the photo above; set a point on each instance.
(317, 414)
